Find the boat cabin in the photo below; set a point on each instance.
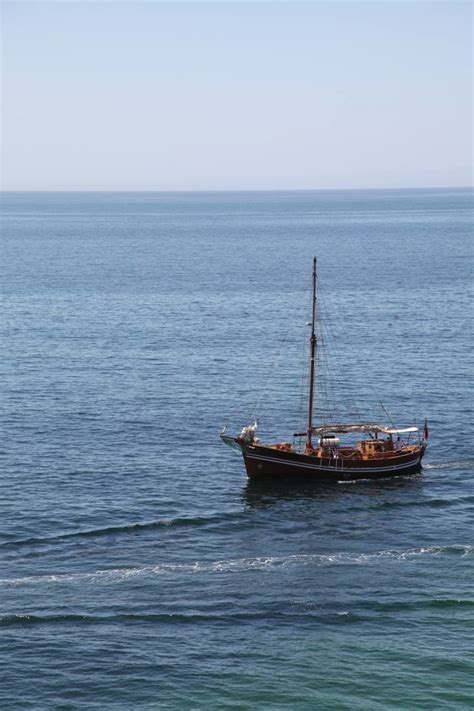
(374, 446)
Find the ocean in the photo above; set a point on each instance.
(139, 569)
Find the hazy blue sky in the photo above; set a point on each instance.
(145, 95)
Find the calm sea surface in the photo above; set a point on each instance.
(138, 568)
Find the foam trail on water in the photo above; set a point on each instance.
(238, 565)
(468, 463)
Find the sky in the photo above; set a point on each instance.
(149, 95)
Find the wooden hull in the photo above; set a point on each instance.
(268, 463)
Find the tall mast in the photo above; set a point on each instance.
(312, 362)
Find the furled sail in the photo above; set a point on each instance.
(361, 427)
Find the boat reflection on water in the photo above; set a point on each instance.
(261, 493)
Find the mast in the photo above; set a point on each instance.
(312, 362)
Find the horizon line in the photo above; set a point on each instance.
(238, 190)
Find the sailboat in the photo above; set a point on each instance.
(379, 450)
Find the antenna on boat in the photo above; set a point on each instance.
(309, 444)
(389, 418)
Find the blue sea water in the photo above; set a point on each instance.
(138, 567)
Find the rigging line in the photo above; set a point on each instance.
(254, 408)
(337, 357)
(323, 380)
(368, 385)
(326, 389)
(344, 372)
(322, 406)
(390, 419)
(271, 373)
(304, 378)
(328, 398)
(304, 367)
(332, 339)
(325, 358)
(323, 390)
